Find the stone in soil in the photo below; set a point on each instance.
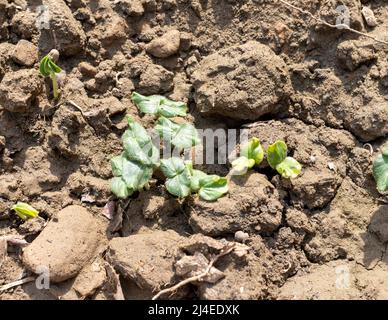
(165, 46)
(25, 53)
(68, 243)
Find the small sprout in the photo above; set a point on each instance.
(251, 154)
(25, 211)
(277, 158)
(380, 170)
(181, 136)
(159, 105)
(48, 68)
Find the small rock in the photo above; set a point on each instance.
(156, 79)
(66, 245)
(369, 17)
(18, 89)
(166, 45)
(87, 69)
(2, 143)
(25, 53)
(241, 236)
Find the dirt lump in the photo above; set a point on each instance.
(241, 82)
(66, 245)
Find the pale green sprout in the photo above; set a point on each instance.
(380, 170)
(251, 154)
(48, 68)
(25, 211)
(277, 158)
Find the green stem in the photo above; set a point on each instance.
(55, 85)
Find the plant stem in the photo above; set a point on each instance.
(55, 85)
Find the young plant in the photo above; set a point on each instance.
(182, 180)
(380, 170)
(48, 68)
(133, 169)
(277, 158)
(159, 105)
(181, 136)
(25, 211)
(251, 154)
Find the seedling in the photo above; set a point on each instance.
(182, 180)
(133, 169)
(48, 68)
(251, 154)
(159, 105)
(277, 158)
(380, 170)
(25, 211)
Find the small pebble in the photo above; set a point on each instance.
(241, 236)
(369, 17)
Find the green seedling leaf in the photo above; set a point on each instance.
(276, 153)
(253, 151)
(25, 211)
(136, 175)
(380, 170)
(289, 168)
(180, 185)
(241, 165)
(172, 167)
(117, 165)
(181, 136)
(119, 188)
(48, 68)
(178, 175)
(159, 105)
(213, 187)
(196, 177)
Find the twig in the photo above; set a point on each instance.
(336, 26)
(76, 106)
(225, 251)
(16, 283)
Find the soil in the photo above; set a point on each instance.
(238, 64)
